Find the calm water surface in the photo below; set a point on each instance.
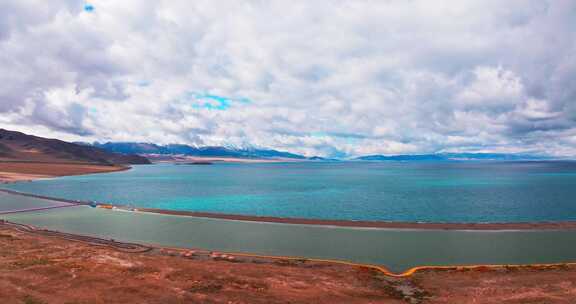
(398, 250)
(427, 192)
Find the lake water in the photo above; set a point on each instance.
(423, 192)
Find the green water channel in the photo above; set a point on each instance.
(398, 250)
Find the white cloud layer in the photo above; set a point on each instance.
(323, 77)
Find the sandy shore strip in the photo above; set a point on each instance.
(376, 224)
(13, 171)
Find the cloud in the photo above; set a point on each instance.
(492, 87)
(328, 77)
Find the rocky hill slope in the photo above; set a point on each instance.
(17, 146)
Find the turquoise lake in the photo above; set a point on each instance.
(423, 192)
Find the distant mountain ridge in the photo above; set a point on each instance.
(17, 146)
(207, 151)
(255, 153)
(450, 157)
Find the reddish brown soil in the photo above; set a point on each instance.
(38, 269)
(18, 171)
(41, 269)
(500, 286)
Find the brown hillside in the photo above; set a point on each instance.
(17, 146)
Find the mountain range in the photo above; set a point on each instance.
(206, 151)
(451, 157)
(255, 153)
(17, 146)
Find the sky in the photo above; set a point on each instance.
(333, 78)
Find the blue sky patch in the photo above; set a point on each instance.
(213, 102)
(143, 83)
(88, 7)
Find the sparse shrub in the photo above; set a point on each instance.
(28, 299)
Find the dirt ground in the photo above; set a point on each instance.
(22, 171)
(500, 286)
(37, 269)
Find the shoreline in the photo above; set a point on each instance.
(21, 171)
(374, 224)
(526, 226)
(115, 259)
(143, 247)
(74, 267)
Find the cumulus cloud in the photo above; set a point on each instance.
(328, 77)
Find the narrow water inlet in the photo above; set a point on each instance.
(11, 203)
